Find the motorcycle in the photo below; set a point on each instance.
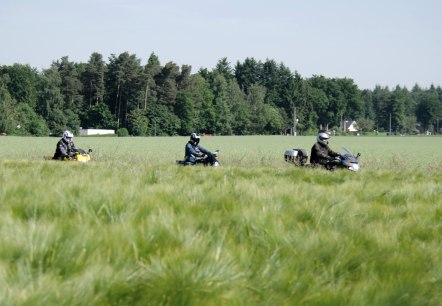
(297, 156)
(205, 160)
(82, 156)
(79, 155)
(345, 159)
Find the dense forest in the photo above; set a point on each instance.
(252, 97)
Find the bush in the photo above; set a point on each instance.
(123, 132)
(137, 123)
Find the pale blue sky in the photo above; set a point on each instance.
(385, 42)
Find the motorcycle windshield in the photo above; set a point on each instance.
(348, 155)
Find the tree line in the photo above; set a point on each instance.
(251, 97)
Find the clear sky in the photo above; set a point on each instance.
(373, 42)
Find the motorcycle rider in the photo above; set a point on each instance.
(321, 154)
(193, 151)
(65, 146)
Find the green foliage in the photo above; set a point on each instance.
(71, 86)
(166, 82)
(19, 118)
(241, 116)
(93, 79)
(248, 73)
(275, 121)
(22, 83)
(428, 109)
(187, 112)
(223, 115)
(124, 85)
(123, 132)
(365, 124)
(203, 110)
(28, 122)
(254, 97)
(137, 123)
(164, 122)
(60, 121)
(7, 104)
(99, 116)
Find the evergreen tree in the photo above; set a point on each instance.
(255, 100)
(241, 122)
(428, 109)
(223, 68)
(298, 95)
(397, 106)
(248, 73)
(381, 99)
(71, 86)
(223, 123)
(151, 71)
(124, 85)
(51, 104)
(185, 110)
(369, 112)
(7, 105)
(93, 80)
(183, 79)
(166, 83)
(352, 103)
(203, 98)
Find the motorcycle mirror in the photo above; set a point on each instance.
(357, 155)
(90, 150)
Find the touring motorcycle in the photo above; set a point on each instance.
(345, 160)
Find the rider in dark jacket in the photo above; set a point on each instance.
(321, 154)
(65, 147)
(193, 150)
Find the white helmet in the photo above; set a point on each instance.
(195, 138)
(67, 135)
(323, 138)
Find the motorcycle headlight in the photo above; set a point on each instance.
(354, 167)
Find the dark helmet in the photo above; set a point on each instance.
(323, 138)
(195, 138)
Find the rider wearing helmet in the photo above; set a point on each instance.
(193, 151)
(321, 154)
(65, 147)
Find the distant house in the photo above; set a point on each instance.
(353, 127)
(87, 132)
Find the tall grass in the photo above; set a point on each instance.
(378, 153)
(132, 228)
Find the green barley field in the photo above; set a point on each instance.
(132, 228)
